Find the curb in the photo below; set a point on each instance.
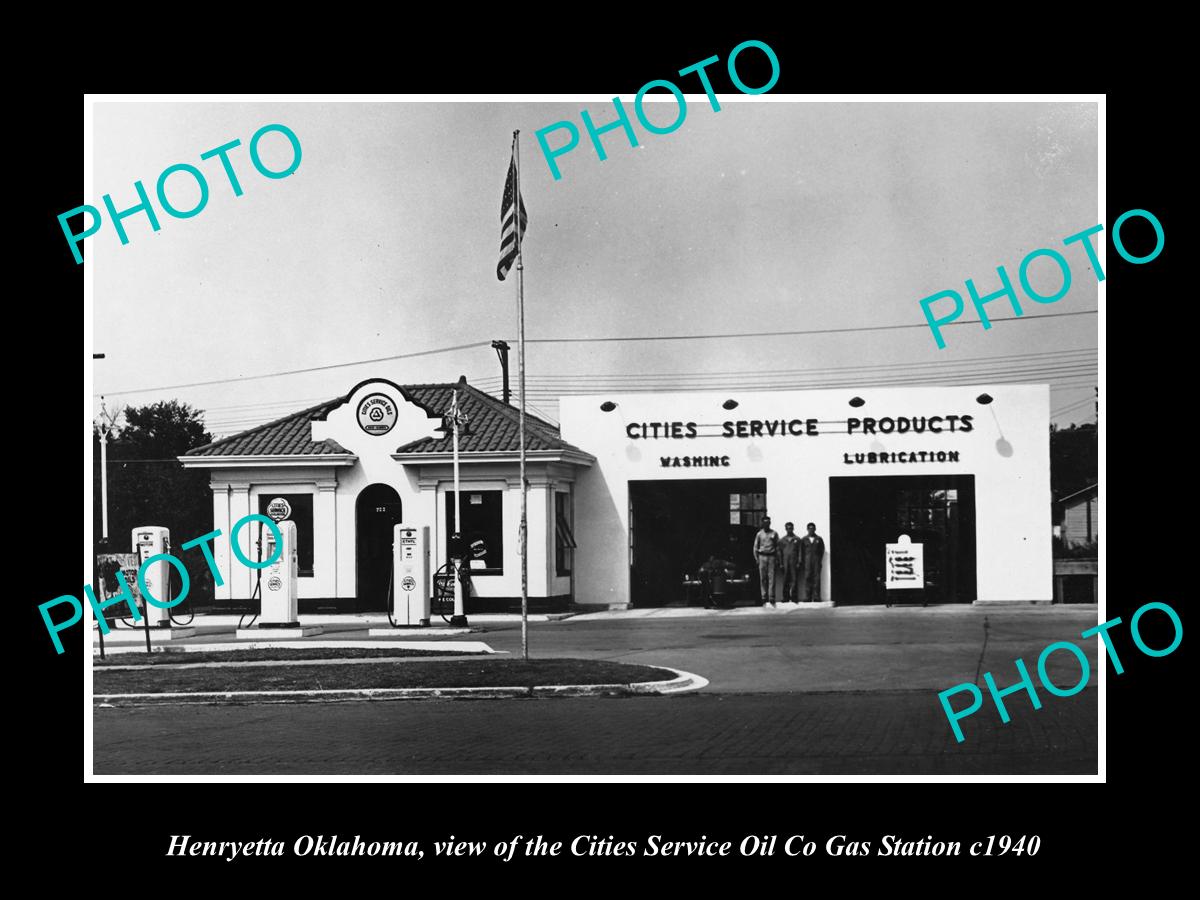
(224, 646)
(682, 682)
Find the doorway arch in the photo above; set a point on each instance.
(376, 511)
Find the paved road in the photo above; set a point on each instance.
(746, 734)
(820, 691)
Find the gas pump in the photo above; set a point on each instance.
(410, 575)
(278, 580)
(148, 541)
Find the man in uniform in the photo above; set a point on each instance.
(790, 546)
(812, 554)
(766, 543)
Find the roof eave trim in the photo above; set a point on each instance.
(289, 460)
(505, 456)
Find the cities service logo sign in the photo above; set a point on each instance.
(376, 414)
(279, 509)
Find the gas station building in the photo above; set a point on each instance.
(633, 492)
(964, 472)
(352, 468)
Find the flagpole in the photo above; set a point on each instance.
(459, 619)
(521, 388)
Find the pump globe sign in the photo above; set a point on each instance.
(279, 509)
(376, 414)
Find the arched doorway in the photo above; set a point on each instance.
(376, 511)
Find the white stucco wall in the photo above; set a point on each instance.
(1012, 492)
(421, 488)
(235, 492)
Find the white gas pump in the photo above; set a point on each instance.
(278, 580)
(410, 574)
(148, 541)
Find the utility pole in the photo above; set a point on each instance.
(107, 423)
(103, 501)
(501, 348)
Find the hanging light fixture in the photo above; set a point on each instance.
(1003, 446)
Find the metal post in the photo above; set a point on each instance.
(521, 388)
(100, 631)
(459, 618)
(146, 621)
(104, 429)
(103, 506)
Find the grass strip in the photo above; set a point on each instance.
(432, 674)
(177, 657)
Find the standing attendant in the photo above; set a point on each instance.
(813, 553)
(790, 551)
(766, 545)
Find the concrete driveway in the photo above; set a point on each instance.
(855, 648)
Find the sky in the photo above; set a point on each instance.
(768, 216)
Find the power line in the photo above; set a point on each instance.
(703, 337)
(221, 427)
(549, 394)
(1088, 384)
(248, 406)
(1018, 377)
(545, 415)
(249, 416)
(999, 360)
(248, 410)
(1083, 421)
(899, 368)
(676, 337)
(360, 362)
(1087, 401)
(982, 368)
(817, 380)
(240, 421)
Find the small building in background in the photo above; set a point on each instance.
(1076, 517)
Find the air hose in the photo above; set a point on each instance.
(391, 598)
(170, 610)
(257, 588)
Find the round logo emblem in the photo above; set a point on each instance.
(279, 509)
(409, 583)
(274, 583)
(376, 414)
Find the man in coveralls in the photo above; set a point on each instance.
(790, 549)
(813, 554)
(766, 543)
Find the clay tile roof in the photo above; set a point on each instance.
(493, 425)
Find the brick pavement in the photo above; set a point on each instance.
(844, 732)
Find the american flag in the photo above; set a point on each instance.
(508, 235)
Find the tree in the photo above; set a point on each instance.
(1073, 459)
(166, 429)
(148, 486)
